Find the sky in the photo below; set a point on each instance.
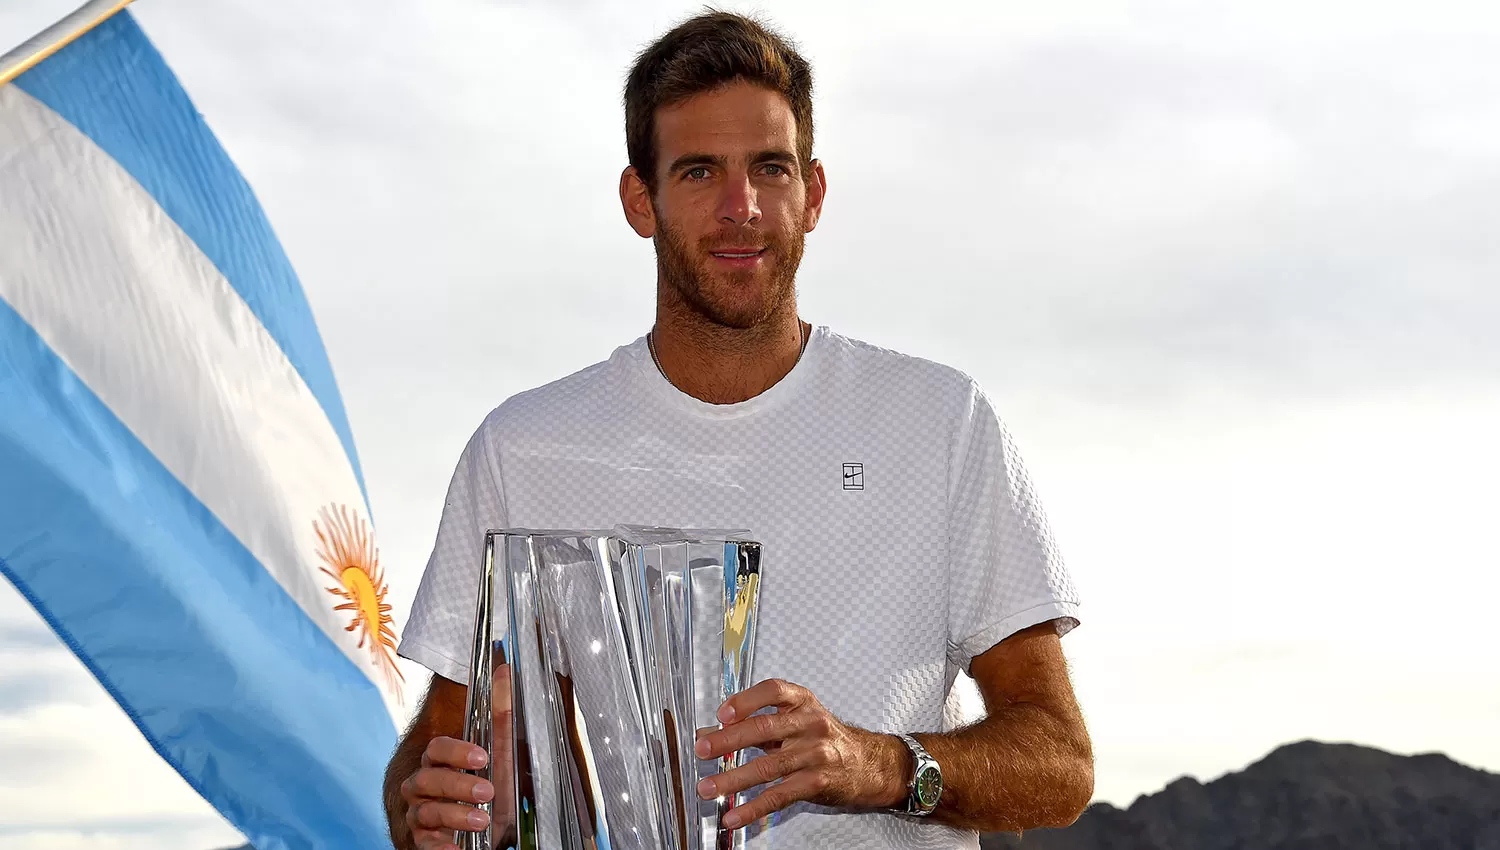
(1229, 271)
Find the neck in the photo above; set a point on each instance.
(723, 365)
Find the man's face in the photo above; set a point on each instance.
(731, 204)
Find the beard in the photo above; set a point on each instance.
(739, 299)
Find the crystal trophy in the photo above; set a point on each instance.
(616, 647)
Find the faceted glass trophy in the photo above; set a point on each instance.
(620, 645)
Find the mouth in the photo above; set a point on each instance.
(738, 259)
(739, 253)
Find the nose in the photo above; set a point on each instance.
(739, 204)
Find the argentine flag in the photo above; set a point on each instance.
(179, 492)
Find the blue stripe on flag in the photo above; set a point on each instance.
(102, 84)
(225, 675)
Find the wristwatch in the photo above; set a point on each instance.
(925, 787)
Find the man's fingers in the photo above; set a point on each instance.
(766, 769)
(760, 730)
(771, 692)
(437, 814)
(451, 752)
(441, 783)
(500, 693)
(804, 785)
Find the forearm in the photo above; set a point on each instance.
(1028, 764)
(439, 714)
(405, 761)
(1022, 767)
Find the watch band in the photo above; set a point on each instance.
(926, 780)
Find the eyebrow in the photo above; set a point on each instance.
(697, 160)
(784, 158)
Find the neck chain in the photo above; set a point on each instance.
(651, 347)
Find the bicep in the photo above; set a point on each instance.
(1027, 667)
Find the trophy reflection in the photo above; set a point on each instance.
(619, 646)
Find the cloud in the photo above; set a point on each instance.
(1138, 205)
(123, 833)
(21, 21)
(25, 636)
(36, 669)
(45, 762)
(25, 687)
(88, 827)
(1163, 215)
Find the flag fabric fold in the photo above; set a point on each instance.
(180, 496)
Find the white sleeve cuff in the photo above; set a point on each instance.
(964, 653)
(437, 662)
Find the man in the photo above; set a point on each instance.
(902, 541)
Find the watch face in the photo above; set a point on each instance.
(929, 787)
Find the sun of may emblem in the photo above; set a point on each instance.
(347, 549)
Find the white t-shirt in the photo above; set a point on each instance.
(901, 536)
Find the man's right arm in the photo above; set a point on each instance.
(427, 795)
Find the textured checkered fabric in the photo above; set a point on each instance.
(901, 535)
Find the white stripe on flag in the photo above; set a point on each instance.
(148, 323)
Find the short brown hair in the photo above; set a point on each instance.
(702, 54)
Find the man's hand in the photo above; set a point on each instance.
(810, 755)
(437, 796)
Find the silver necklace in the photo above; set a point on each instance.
(651, 347)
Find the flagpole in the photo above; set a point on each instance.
(56, 37)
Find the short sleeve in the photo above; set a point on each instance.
(440, 630)
(1005, 571)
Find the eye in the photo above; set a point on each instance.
(773, 170)
(699, 173)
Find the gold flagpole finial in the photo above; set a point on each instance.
(56, 37)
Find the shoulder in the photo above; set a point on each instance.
(552, 406)
(922, 384)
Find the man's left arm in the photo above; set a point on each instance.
(1028, 764)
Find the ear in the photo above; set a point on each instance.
(817, 190)
(635, 198)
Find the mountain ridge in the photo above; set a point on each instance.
(1307, 795)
